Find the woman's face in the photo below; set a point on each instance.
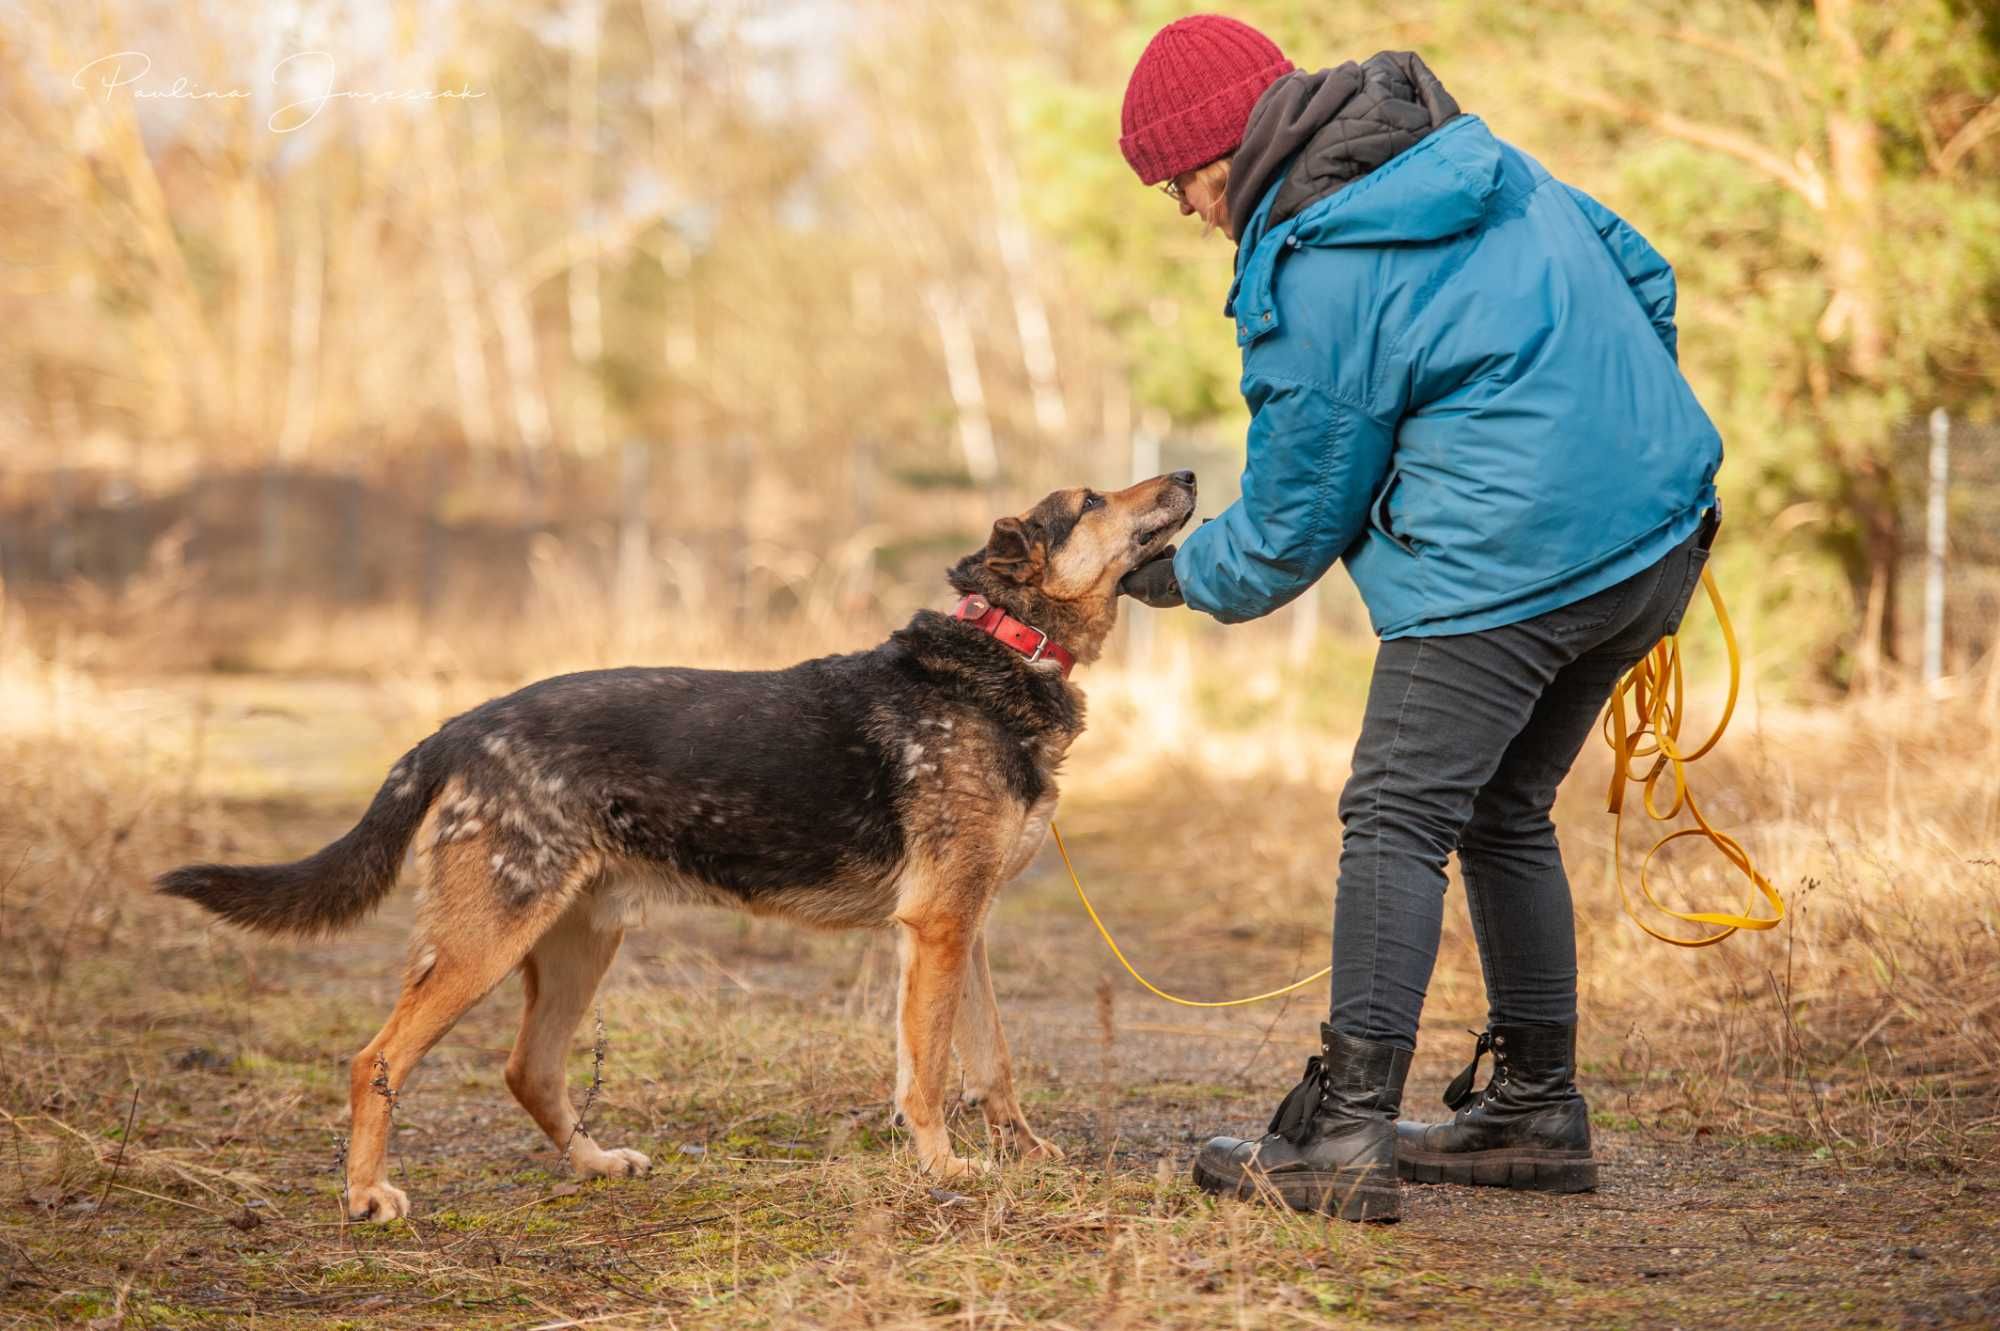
(1199, 193)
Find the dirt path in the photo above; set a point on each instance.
(752, 1060)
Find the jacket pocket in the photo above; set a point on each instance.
(1378, 513)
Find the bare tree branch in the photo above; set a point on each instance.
(1836, 24)
(1771, 67)
(1801, 176)
(1983, 125)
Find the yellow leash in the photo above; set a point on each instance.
(1654, 732)
(1112, 943)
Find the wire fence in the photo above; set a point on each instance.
(1949, 578)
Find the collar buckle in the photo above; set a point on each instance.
(1002, 627)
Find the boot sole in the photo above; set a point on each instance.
(1526, 1167)
(1366, 1199)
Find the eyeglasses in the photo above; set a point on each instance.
(1172, 189)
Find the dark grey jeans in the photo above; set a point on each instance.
(1462, 746)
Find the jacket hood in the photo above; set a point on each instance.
(1313, 134)
(1441, 187)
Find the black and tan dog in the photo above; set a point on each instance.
(903, 785)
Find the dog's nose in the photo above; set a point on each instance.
(1184, 477)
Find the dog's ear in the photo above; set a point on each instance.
(1015, 550)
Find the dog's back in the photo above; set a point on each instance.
(795, 790)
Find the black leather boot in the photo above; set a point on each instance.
(1331, 1146)
(1529, 1128)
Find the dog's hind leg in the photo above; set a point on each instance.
(471, 938)
(989, 1069)
(558, 978)
(936, 939)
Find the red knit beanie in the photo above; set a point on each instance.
(1190, 96)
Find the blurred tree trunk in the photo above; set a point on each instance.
(302, 377)
(505, 295)
(366, 344)
(680, 348)
(448, 242)
(1853, 216)
(961, 366)
(254, 243)
(586, 309)
(1031, 317)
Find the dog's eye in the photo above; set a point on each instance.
(1092, 500)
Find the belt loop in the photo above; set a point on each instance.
(1711, 522)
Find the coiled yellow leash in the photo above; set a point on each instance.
(1653, 733)
(1655, 690)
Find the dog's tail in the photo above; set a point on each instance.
(330, 890)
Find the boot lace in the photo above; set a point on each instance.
(1459, 1095)
(1294, 1118)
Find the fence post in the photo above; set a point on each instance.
(1934, 546)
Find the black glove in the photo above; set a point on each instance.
(1153, 582)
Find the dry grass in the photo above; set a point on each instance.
(172, 1093)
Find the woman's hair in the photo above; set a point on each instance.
(1214, 176)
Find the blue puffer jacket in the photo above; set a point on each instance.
(1462, 380)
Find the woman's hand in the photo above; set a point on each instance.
(1153, 582)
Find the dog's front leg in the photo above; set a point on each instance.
(934, 946)
(989, 1069)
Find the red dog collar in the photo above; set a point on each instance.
(1026, 639)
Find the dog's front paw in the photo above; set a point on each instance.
(1014, 1137)
(618, 1162)
(1032, 1147)
(956, 1166)
(378, 1202)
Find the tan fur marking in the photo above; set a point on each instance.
(1097, 553)
(1077, 579)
